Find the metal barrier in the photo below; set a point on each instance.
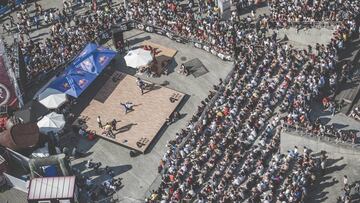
(314, 24)
(172, 35)
(10, 6)
(328, 138)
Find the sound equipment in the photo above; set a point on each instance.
(118, 38)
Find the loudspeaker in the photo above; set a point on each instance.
(118, 38)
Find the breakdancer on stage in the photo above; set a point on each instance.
(128, 106)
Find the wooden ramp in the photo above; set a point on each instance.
(163, 56)
(143, 123)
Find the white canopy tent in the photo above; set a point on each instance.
(51, 122)
(138, 57)
(52, 98)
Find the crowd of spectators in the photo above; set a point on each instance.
(202, 23)
(229, 152)
(98, 192)
(346, 196)
(217, 159)
(328, 132)
(69, 32)
(286, 13)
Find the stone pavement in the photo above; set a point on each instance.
(140, 173)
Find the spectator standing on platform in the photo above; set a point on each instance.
(113, 124)
(323, 162)
(37, 21)
(7, 28)
(345, 180)
(108, 130)
(99, 122)
(141, 84)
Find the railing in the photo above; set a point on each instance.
(326, 137)
(174, 36)
(314, 24)
(4, 9)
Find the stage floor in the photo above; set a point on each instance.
(150, 110)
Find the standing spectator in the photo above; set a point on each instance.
(108, 130)
(141, 84)
(37, 21)
(6, 27)
(345, 180)
(113, 124)
(357, 188)
(99, 122)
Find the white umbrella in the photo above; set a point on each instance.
(51, 122)
(52, 98)
(138, 57)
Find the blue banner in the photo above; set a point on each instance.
(83, 70)
(3, 9)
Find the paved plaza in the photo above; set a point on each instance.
(148, 115)
(139, 173)
(342, 161)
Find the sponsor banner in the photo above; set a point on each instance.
(7, 92)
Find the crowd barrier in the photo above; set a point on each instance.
(328, 24)
(330, 138)
(5, 8)
(173, 36)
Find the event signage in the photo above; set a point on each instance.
(83, 70)
(7, 94)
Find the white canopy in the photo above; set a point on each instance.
(51, 122)
(52, 98)
(138, 57)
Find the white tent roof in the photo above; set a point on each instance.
(138, 57)
(52, 98)
(51, 122)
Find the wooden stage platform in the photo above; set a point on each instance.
(143, 123)
(163, 56)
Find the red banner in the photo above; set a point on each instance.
(7, 92)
